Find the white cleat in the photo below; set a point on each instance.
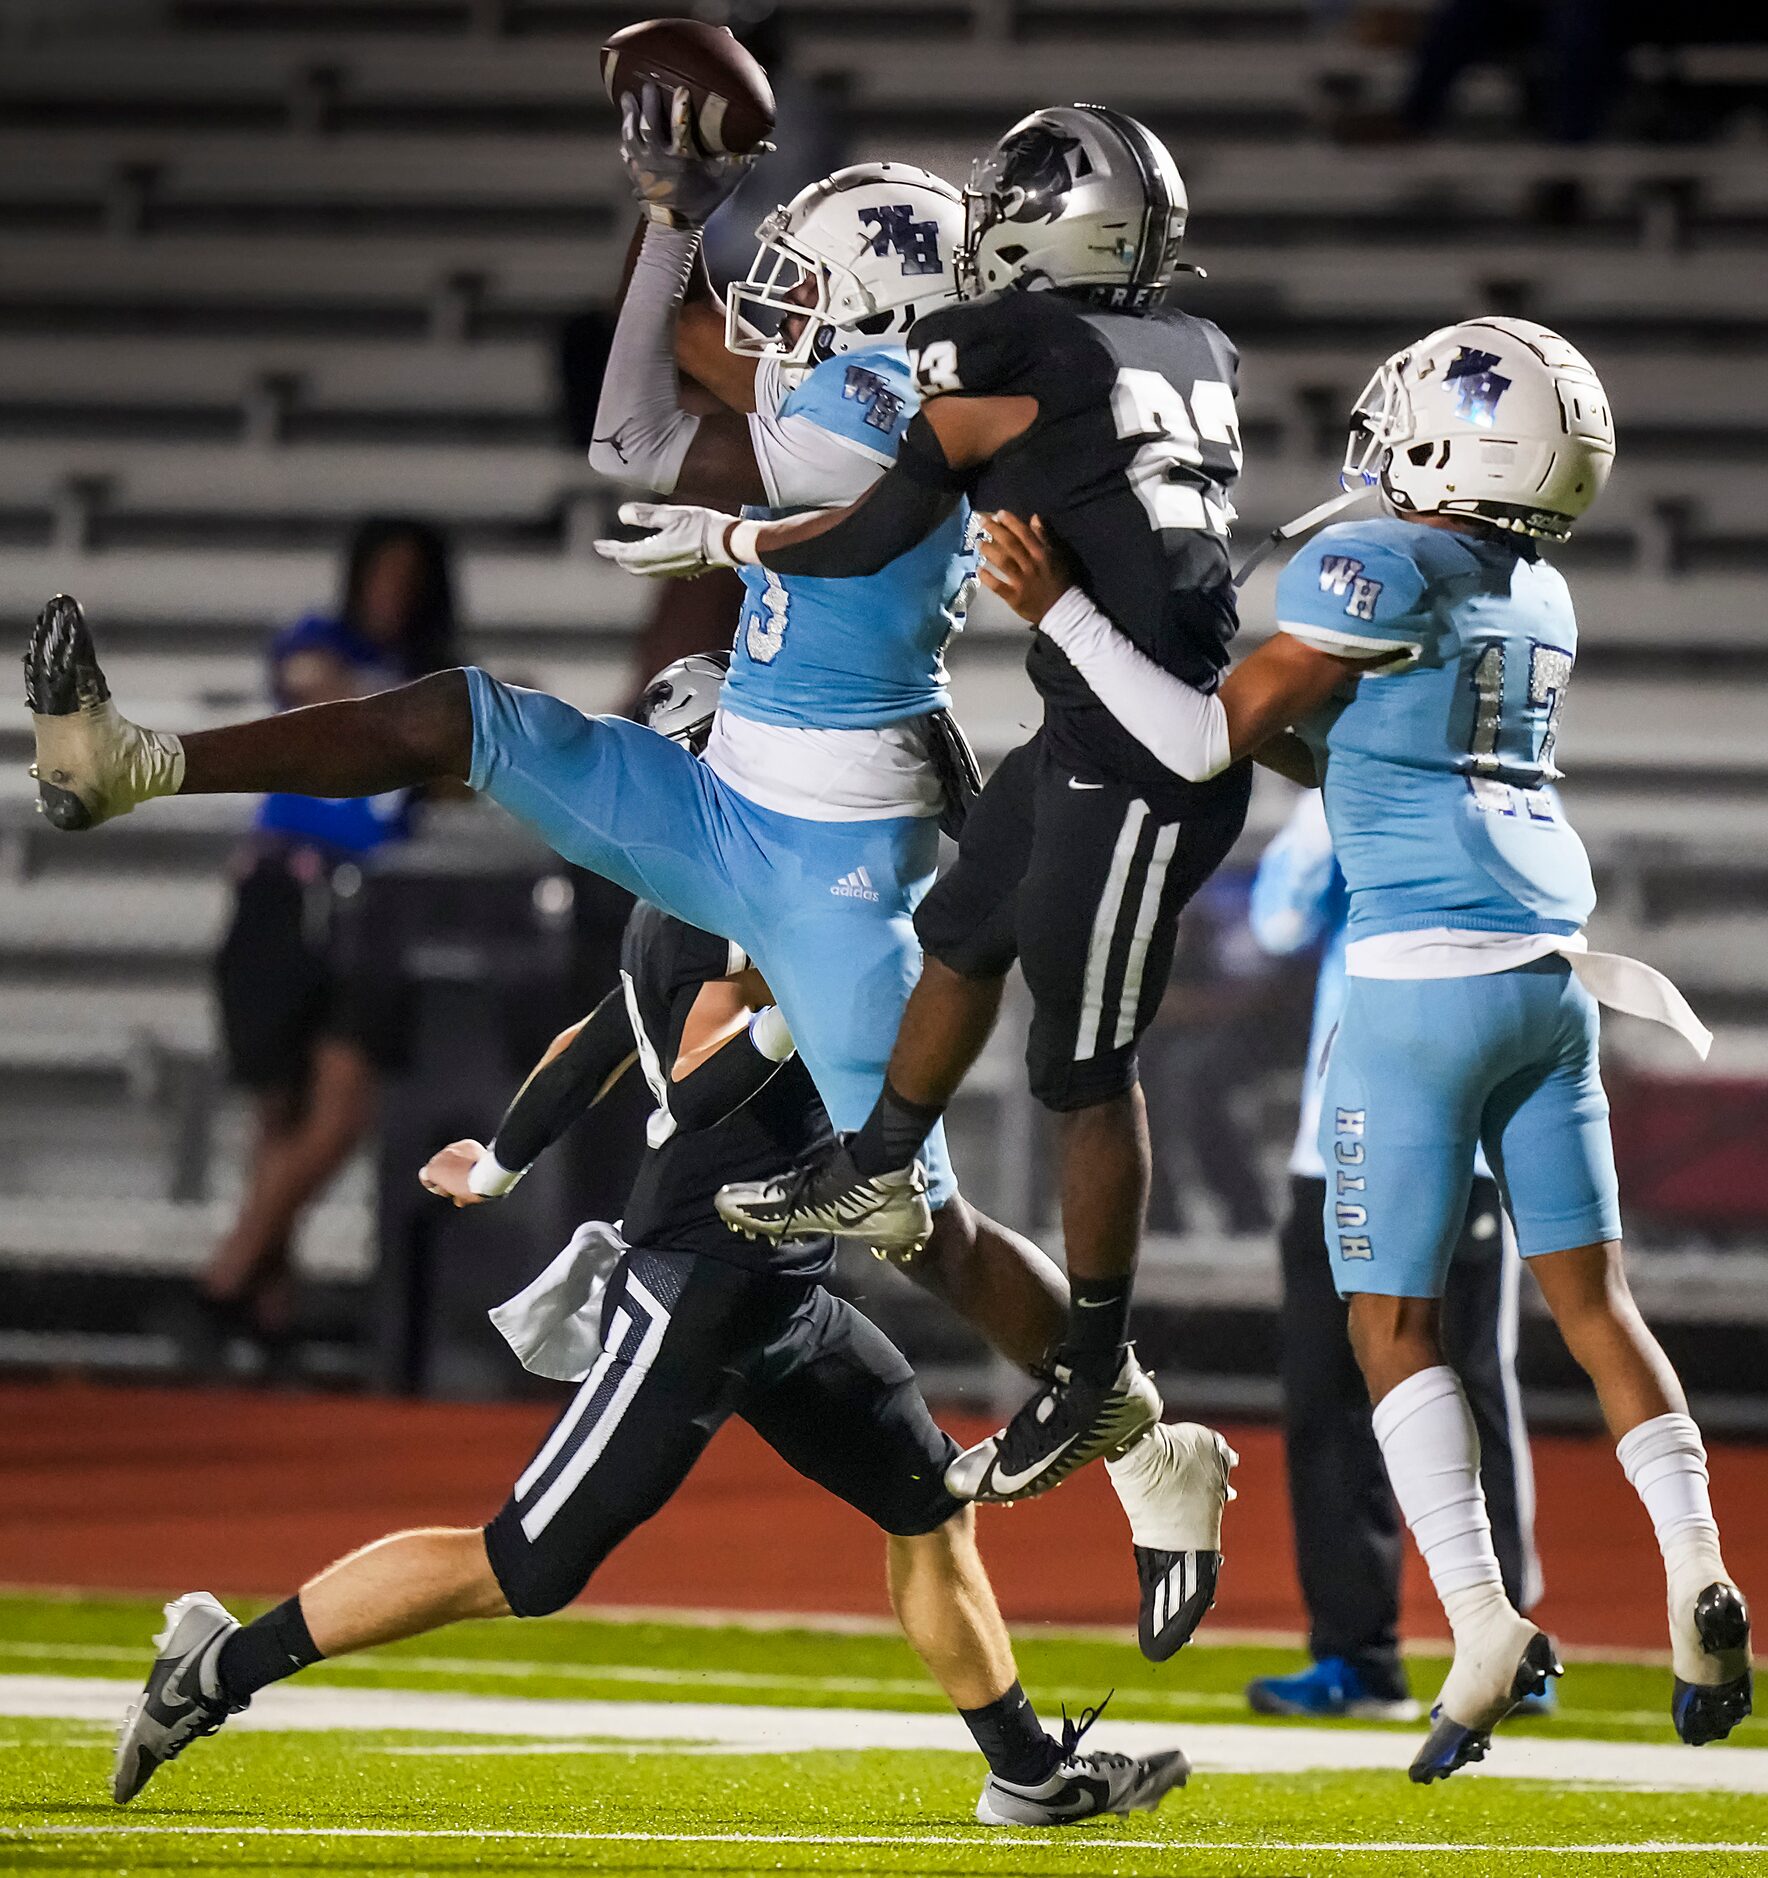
(92, 763)
(182, 1700)
(1174, 1487)
(1509, 1661)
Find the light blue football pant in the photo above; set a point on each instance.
(1421, 1071)
(824, 909)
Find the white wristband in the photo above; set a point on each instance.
(770, 1035)
(740, 544)
(490, 1179)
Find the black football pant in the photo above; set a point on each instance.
(1348, 1532)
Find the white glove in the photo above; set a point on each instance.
(683, 541)
(675, 183)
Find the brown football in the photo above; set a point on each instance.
(733, 102)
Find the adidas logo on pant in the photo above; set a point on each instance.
(855, 886)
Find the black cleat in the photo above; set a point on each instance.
(1069, 1422)
(1706, 1712)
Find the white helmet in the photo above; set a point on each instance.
(880, 243)
(1077, 196)
(1496, 418)
(682, 700)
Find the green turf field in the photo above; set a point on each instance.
(546, 1774)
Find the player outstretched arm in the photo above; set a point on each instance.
(671, 321)
(733, 1042)
(1194, 733)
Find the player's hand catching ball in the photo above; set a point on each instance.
(1023, 565)
(675, 183)
(448, 1173)
(683, 541)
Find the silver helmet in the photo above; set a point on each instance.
(682, 700)
(1077, 196)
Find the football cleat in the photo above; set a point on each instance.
(1173, 1484)
(1069, 1422)
(1328, 1690)
(182, 1700)
(92, 763)
(1708, 1711)
(887, 1212)
(1084, 1785)
(1511, 1663)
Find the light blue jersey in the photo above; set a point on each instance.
(1439, 794)
(1440, 769)
(846, 654)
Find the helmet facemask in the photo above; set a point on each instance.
(1381, 422)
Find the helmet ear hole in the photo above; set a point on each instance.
(1419, 454)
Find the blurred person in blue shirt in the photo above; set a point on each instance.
(306, 1034)
(1347, 1527)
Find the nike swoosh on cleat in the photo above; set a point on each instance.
(1011, 1483)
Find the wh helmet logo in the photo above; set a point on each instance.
(899, 232)
(1478, 387)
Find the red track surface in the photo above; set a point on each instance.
(165, 1489)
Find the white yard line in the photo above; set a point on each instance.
(1018, 1844)
(1213, 1747)
(379, 1663)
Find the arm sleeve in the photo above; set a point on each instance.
(1294, 891)
(904, 507)
(733, 1074)
(560, 1091)
(1347, 594)
(641, 432)
(1182, 727)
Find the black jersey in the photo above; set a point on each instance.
(663, 964)
(1129, 463)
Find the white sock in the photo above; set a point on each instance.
(1428, 1441)
(1666, 1462)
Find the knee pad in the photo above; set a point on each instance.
(1064, 1086)
(536, 1579)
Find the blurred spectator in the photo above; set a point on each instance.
(1572, 54)
(1347, 1527)
(305, 1034)
(1216, 1033)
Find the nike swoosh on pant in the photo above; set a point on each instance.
(1074, 782)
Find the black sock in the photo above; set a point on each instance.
(1098, 1327)
(1012, 1739)
(892, 1135)
(265, 1650)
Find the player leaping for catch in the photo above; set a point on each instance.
(670, 1325)
(1425, 658)
(1067, 390)
(809, 833)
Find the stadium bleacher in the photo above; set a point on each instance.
(268, 266)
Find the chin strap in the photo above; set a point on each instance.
(1290, 531)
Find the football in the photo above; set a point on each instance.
(733, 102)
